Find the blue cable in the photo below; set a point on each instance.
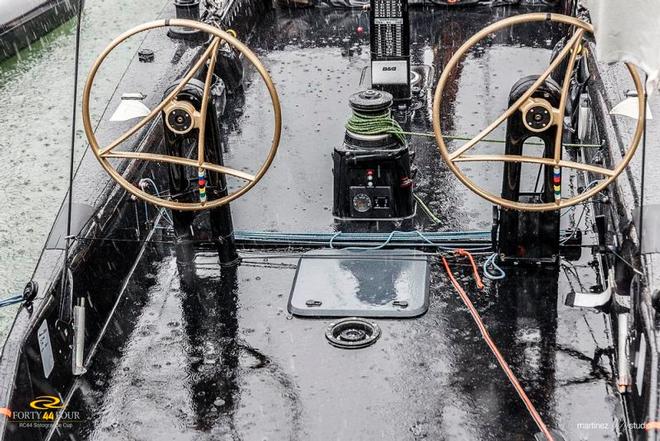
(472, 248)
(333, 238)
(330, 238)
(18, 298)
(355, 241)
(419, 233)
(324, 236)
(377, 247)
(390, 237)
(491, 262)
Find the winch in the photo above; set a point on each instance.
(372, 179)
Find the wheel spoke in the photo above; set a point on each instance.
(198, 64)
(182, 161)
(535, 160)
(566, 85)
(201, 123)
(205, 100)
(528, 93)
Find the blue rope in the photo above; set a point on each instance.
(377, 247)
(18, 298)
(361, 241)
(442, 247)
(426, 239)
(490, 262)
(334, 236)
(407, 237)
(330, 238)
(390, 238)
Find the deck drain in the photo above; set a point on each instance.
(352, 333)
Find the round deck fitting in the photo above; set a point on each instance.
(146, 55)
(352, 333)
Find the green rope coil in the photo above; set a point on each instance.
(382, 124)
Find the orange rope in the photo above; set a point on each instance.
(496, 352)
(475, 271)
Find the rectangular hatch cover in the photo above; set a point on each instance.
(373, 283)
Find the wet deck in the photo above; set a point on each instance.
(224, 358)
(303, 51)
(220, 358)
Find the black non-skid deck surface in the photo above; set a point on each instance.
(200, 353)
(220, 356)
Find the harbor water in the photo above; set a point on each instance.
(36, 99)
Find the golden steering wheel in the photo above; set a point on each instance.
(525, 104)
(182, 117)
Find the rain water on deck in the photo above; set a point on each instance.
(208, 354)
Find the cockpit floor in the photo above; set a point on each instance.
(215, 353)
(203, 353)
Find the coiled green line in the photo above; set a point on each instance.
(382, 124)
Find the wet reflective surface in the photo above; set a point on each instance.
(196, 352)
(215, 354)
(317, 61)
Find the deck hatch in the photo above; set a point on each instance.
(374, 283)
